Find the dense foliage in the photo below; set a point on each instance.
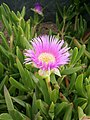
(23, 93)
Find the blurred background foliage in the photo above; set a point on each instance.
(50, 7)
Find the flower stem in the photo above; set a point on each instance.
(48, 84)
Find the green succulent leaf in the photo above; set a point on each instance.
(7, 25)
(4, 41)
(14, 16)
(68, 113)
(79, 86)
(54, 95)
(74, 55)
(17, 84)
(8, 100)
(5, 116)
(80, 53)
(3, 82)
(41, 106)
(59, 107)
(23, 12)
(19, 54)
(71, 70)
(80, 113)
(51, 111)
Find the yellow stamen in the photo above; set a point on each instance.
(46, 57)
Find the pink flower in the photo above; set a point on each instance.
(38, 8)
(48, 53)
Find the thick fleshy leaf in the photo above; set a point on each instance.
(81, 114)
(5, 80)
(79, 86)
(54, 95)
(17, 85)
(19, 54)
(74, 55)
(72, 81)
(59, 107)
(5, 116)
(8, 100)
(41, 106)
(51, 111)
(1, 69)
(16, 115)
(40, 83)
(71, 70)
(68, 112)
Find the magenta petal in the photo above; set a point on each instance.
(51, 45)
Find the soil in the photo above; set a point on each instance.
(44, 28)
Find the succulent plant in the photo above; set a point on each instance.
(24, 93)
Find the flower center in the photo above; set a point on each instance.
(46, 57)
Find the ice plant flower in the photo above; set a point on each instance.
(47, 53)
(38, 9)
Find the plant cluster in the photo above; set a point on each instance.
(24, 93)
